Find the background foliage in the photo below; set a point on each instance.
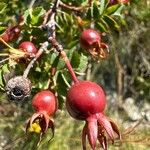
(125, 74)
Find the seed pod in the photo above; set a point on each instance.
(18, 88)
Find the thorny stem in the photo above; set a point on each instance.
(45, 44)
(49, 24)
(50, 14)
(51, 38)
(38, 54)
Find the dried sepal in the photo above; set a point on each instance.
(96, 128)
(84, 134)
(115, 128)
(102, 138)
(44, 122)
(92, 132)
(102, 120)
(100, 50)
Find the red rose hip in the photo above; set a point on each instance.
(90, 40)
(44, 101)
(28, 47)
(86, 101)
(45, 105)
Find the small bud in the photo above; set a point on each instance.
(18, 88)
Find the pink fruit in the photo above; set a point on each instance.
(86, 101)
(28, 47)
(90, 40)
(44, 101)
(85, 98)
(45, 105)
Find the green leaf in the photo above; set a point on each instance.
(61, 64)
(96, 11)
(83, 63)
(110, 21)
(61, 84)
(38, 11)
(73, 43)
(5, 68)
(118, 11)
(36, 14)
(26, 16)
(55, 61)
(61, 101)
(90, 12)
(52, 58)
(1, 79)
(2, 7)
(102, 6)
(112, 9)
(3, 71)
(101, 27)
(33, 16)
(75, 60)
(2, 29)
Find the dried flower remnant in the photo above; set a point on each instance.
(18, 88)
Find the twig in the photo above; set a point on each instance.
(120, 76)
(72, 8)
(31, 3)
(38, 54)
(4, 54)
(46, 16)
(49, 15)
(62, 53)
(50, 26)
(4, 60)
(131, 129)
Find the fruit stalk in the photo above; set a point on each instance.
(62, 53)
(38, 54)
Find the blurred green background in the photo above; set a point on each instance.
(125, 76)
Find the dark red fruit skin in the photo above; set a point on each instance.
(84, 99)
(45, 101)
(28, 47)
(11, 33)
(89, 38)
(113, 2)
